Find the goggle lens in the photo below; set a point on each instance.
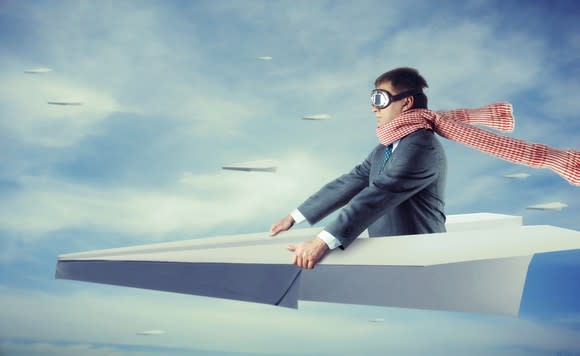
(379, 99)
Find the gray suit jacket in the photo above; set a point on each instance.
(406, 197)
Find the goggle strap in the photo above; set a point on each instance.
(406, 94)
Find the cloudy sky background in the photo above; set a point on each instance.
(173, 91)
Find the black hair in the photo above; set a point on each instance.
(403, 79)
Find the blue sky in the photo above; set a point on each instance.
(173, 91)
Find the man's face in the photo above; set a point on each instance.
(394, 109)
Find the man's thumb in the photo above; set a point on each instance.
(291, 248)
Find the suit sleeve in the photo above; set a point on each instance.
(411, 171)
(336, 193)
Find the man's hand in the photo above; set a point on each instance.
(308, 254)
(283, 225)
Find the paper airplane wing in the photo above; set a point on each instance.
(471, 268)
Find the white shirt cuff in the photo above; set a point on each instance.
(297, 216)
(330, 240)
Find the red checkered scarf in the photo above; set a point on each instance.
(456, 125)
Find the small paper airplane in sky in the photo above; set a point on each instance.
(517, 175)
(39, 70)
(548, 206)
(65, 102)
(376, 320)
(253, 166)
(151, 332)
(317, 117)
(264, 58)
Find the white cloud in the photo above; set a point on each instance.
(199, 203)
(27, 114)
(54, 349)
(560, 105)
(187, 62)
(188, 321)
(193, 322)
(466, 63)
(130, 57)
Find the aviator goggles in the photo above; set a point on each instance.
(380, 98)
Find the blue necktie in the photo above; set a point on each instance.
(388, 151)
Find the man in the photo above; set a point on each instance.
(397, 190)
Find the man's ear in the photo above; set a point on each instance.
(409, 101)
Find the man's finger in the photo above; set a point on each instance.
(306, 261)
(298, 261)
(291, 248)
(274, 229)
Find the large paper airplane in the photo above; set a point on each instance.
(480, 265)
